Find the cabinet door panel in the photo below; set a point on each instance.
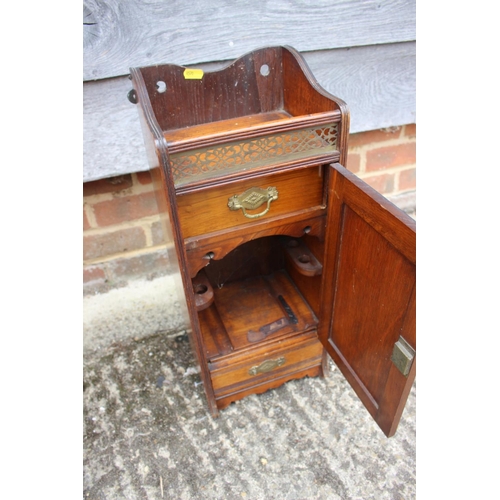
(370, 295)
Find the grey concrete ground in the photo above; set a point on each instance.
(148, 433)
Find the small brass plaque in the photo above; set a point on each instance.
(402, 356)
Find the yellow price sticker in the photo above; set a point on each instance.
(193, 74)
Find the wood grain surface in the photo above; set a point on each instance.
(207, 211)
(118, 35)
(371, 270)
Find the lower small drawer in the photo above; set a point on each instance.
(277, 361)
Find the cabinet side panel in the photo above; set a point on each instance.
(162, 201)
(173, 258)
(159, 163)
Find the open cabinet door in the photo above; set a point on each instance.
(368, 325)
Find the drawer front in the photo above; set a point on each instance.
(206, 211)
(280, 360)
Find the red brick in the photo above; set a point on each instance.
(93, 273)
(158, 233)
(408, 179)
(411, 130)
(364, 138)
(101, 245)
(353, 162)
(383, 183)
(148, 265)
(86, 224)
(144, 177)
(390, 156)
(127, 208)
(110, 185)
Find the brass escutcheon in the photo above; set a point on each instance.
(251, 199)
(403, 356)
(267, 366)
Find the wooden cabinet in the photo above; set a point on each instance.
(285, 256)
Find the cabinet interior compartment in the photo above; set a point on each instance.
(255, 295)
(259, 323)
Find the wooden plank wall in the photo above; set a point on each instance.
(360, 50)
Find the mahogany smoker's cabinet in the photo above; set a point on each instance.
(285, 256)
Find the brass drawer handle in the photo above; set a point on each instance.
(267, 366)
(251, 199)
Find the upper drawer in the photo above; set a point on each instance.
(207, 210)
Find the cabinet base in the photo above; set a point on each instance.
(239, 366)
(226, 400)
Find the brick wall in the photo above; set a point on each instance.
(386, 160)
(122, 236)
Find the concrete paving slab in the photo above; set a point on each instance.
(142, 308)
(148, 433)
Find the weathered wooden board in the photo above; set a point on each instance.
(122, 34)
(377, 82)
(112, 135)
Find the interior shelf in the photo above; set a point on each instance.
(246, 313)
(182, 139)
(203, 291)
(205, 133)
(301, 258)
